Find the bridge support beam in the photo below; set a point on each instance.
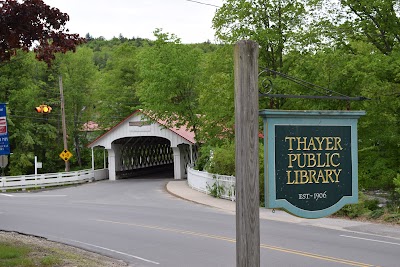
(114, 155)
(179, 168)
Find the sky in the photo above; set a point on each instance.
(190, 21)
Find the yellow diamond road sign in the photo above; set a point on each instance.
(65, 155)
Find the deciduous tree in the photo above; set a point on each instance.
(377, 21)
(33, 24)
(168, 88)
(273, 24)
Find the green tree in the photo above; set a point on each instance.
(79, 75)
(216, 97)
(377, 21)
(168, 81)
(22, 88)
(115, 97)
(273, 24)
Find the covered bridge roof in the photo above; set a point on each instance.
(139, 124)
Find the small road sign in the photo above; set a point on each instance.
(65, 155)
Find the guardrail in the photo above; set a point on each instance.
(206, 182)
(51, 179)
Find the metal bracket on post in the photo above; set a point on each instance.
(324, 93)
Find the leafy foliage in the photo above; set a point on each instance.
(168, 77)
(216, 189)
(354, 210)
(118, 84)
(216, 97)
(377, 21)
(397, 183)
(274, 25)
(223, 160)
(22, 23)
(79, 79)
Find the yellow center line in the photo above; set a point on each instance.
(281, 249)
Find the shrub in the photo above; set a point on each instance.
(392, 218)
(376, 214)
(371, 204)
(396, 182)
(216, 189)
(376, 170)
(354, 210)
(203, 159)
(223, 160)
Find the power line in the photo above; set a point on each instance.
(202, 3)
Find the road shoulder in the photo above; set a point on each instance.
(181, 189)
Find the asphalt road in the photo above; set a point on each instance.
(137, 221)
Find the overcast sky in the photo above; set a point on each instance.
(139, 18)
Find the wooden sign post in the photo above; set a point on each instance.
(247, 162)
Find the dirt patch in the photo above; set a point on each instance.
(69, 256)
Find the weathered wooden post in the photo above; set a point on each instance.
(64, 125)
(247, 165)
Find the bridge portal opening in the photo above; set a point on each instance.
(145, 156)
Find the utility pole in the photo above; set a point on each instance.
(64, 126)
(247, 165)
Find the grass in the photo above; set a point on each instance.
(18, 250)
(21, 255)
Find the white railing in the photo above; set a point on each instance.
(205, 182)
(100, 174)
(51, 179)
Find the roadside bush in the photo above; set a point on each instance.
(396, 182)
(216, 189)
(371, 204)
(393, 204)
(203, 159)
(370, 209)
(376, 214)
(392, 218)
(354, 210)
(377, 170)
(222, 160)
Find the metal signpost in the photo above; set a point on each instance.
(311, 162)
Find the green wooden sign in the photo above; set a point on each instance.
(310, 160)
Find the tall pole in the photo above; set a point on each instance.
(247, 165)
(93, 162)
(64, 125)
(36, 166)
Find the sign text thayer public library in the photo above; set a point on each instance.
(313, 165)
(305, 155)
